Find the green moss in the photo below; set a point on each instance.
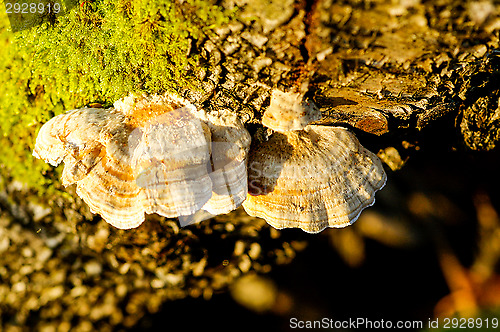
(98, 52)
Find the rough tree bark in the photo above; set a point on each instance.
(385, 68)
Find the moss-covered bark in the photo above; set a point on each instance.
(98, 52)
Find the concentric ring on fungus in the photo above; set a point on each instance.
(311, 179)
(148, 154)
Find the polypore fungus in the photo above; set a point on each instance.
(148, 154)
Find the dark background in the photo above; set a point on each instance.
(392, 282)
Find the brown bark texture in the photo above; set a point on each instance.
(385, 68)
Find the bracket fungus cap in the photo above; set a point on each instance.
(148, 154)
(312, 179)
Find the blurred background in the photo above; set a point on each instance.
(428, 248)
